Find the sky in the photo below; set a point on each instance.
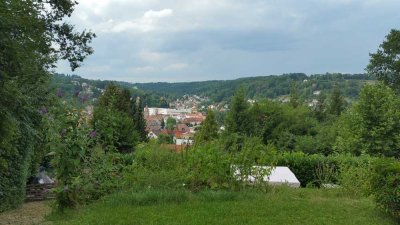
(192, 40)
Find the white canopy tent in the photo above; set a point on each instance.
(280, 175)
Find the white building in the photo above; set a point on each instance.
(168, 112)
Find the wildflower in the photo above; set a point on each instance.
(93, 134)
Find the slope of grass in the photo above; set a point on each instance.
(279, 206)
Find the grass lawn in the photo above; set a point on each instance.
(279, 206)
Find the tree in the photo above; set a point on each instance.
(139, 121)
(208, 130)
(163, 103)
(372, 126)
(236, 119)
(320, 108)
(110, 96)
(114, 121)
(33, 37)
(294, 95)
(162, 124)
(165, 139)
(125, 103)
(385, 63)
(336, 102)
(171, 122)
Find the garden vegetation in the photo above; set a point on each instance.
(355, 146)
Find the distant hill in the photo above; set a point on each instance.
(273, 87)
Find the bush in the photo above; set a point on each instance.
(302, 165)
(13, 165)
(355, 177)
(385, 185)
(101, 175)
(208, 166)
(155, 167)
(317, 169)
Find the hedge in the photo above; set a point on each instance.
(385, 185)
(14, 165)
(307, 168)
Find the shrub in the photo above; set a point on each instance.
(385, 185)
(254, 153)
(72, 144)
(355, 177)
(155, 167)
(302, 165)
(102, 175)
(317, 169)
(208, 166)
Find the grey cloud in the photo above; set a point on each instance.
(233, 38)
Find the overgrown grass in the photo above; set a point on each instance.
(278, 206)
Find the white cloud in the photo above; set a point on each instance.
(150, 21)
(176, 66)
(150, 56)
(141, 69)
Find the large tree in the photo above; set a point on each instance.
(114, 120)
(208, 130)
(33, 37)
(336, 102)
(236, 119)
(385, 63)
(139, 121)
(372, 125)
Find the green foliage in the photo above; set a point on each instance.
(372, 126)
(282, 125)
(165, 139)
(162, 124)
(336, 102)
(294, 95)
(139, 121)
(385, 185)
(68, 85)
(148, 197)
(385, 63)
(83, 170)
(155, 167)
(28, 33)
(72, 146)
(271, 87)
(171, 122)
(236, 119)
(208, 166)
(115, 129)
(355, 178)
(279, 206)
(118, 120)
(314, 169)
(102, 174)
(209, 129)
(203, 166)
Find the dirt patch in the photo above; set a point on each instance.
(30, 213)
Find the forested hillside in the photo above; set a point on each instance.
(272, 87)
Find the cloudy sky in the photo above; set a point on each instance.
(185, 40)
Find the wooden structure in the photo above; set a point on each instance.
(39, 192)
